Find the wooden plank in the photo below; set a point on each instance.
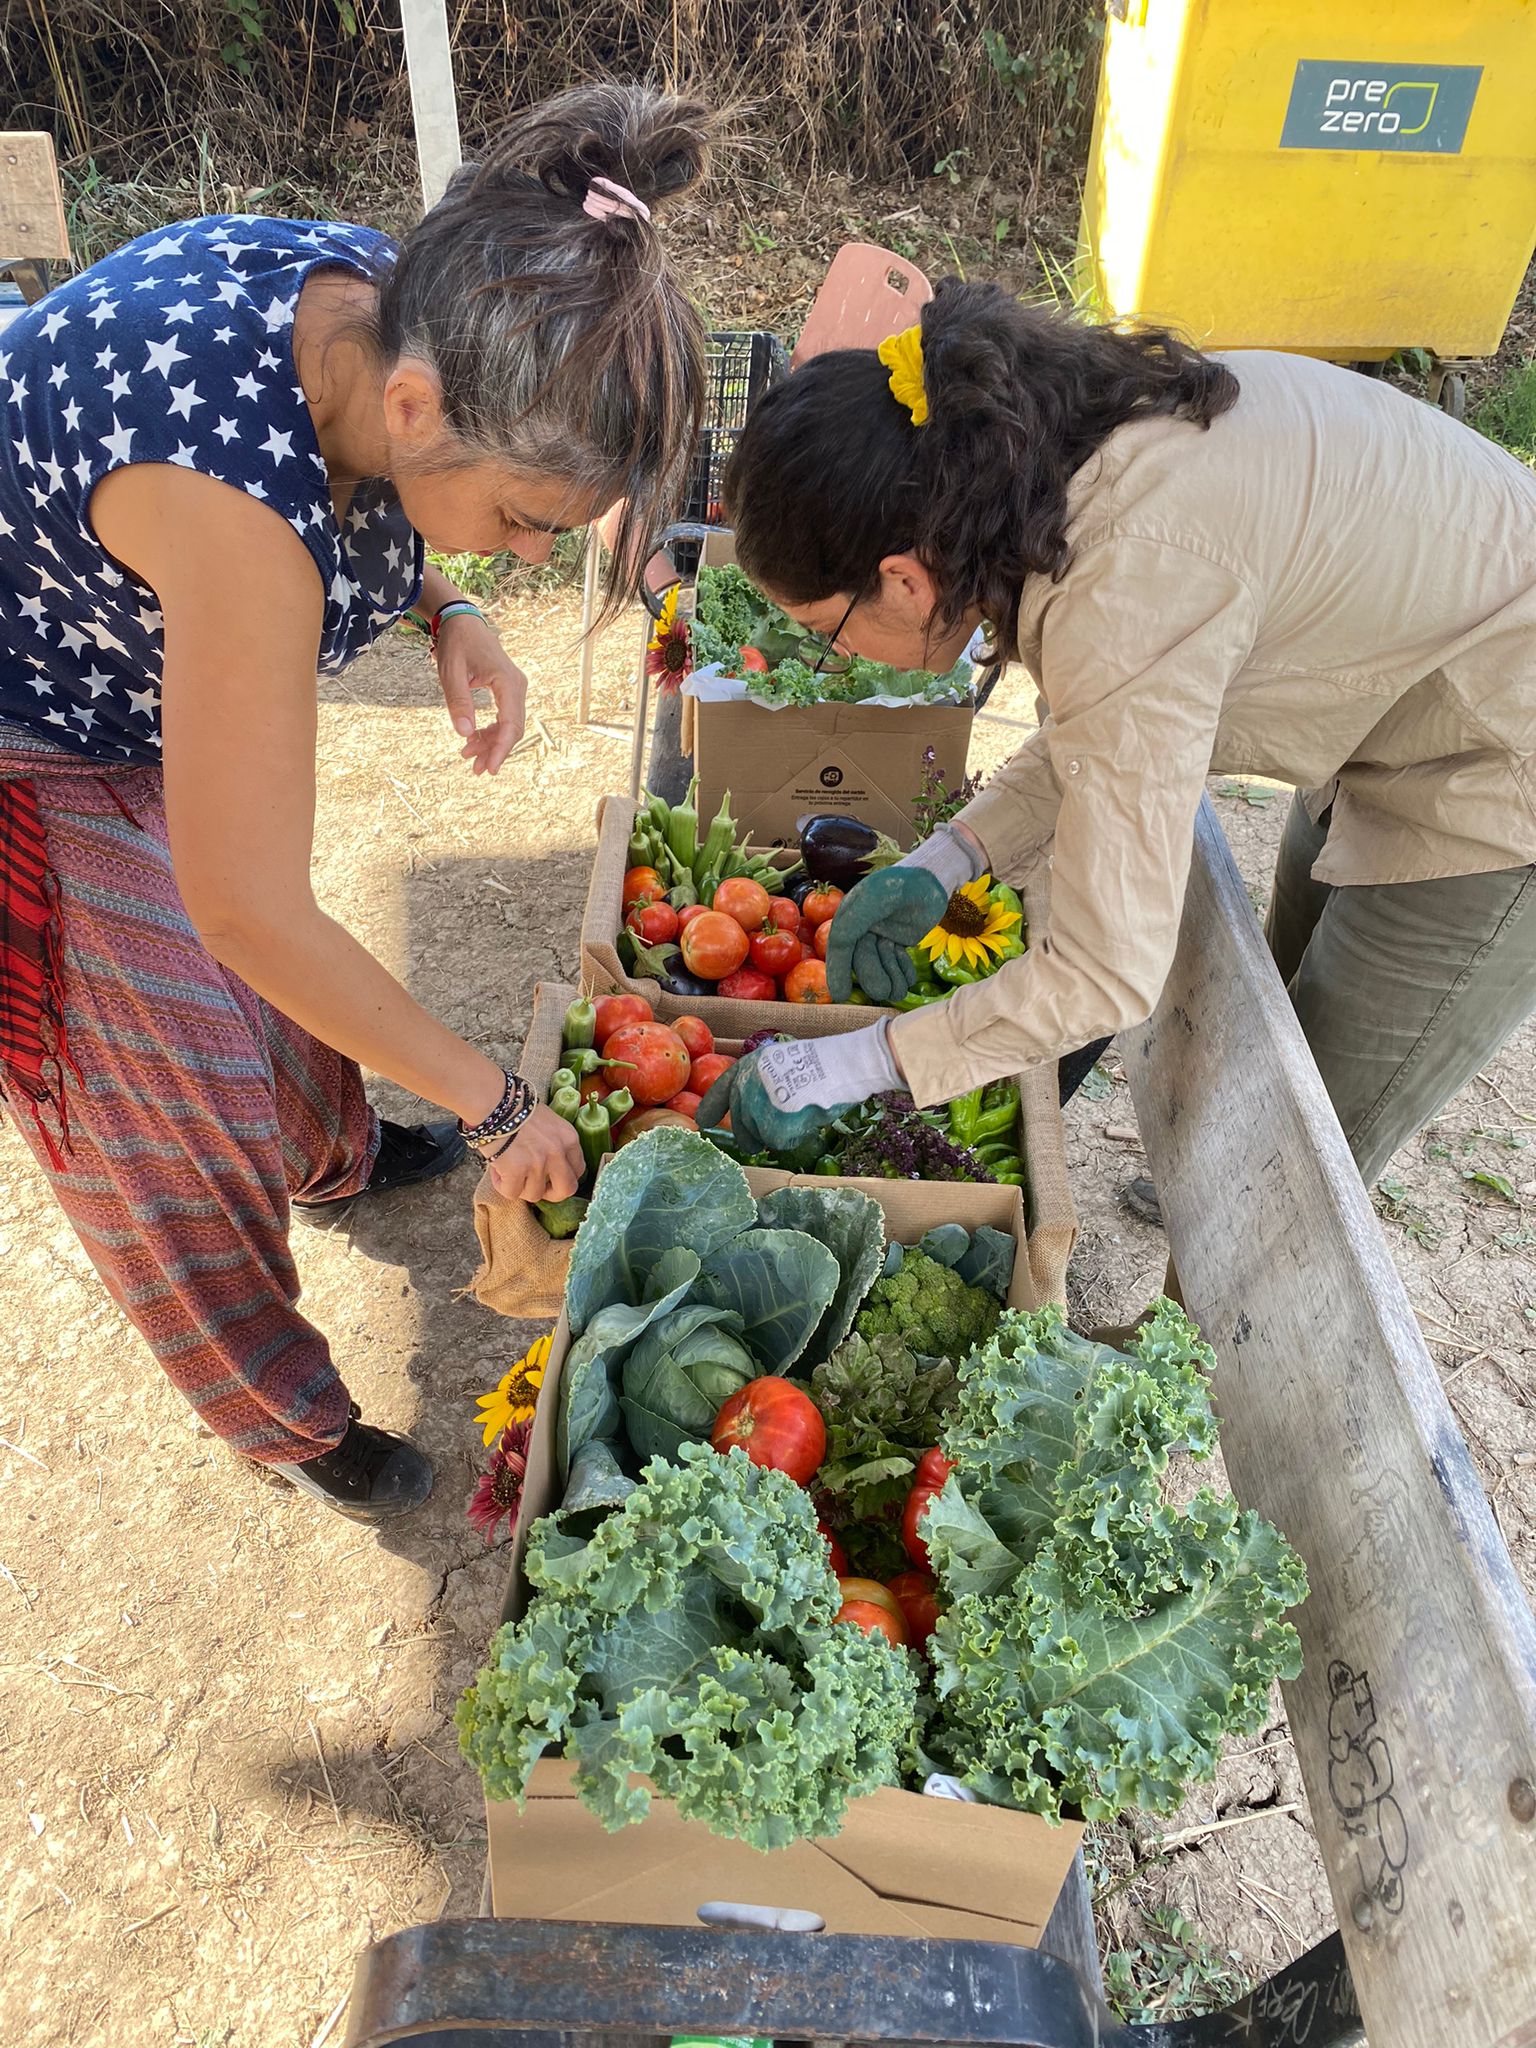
(32, 223)
(1415, 1717)
(434, 107)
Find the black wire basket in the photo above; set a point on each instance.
(740, 368)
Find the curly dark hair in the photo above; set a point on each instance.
(830, 476)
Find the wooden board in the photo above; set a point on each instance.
(31, 204)
(1415, 1716)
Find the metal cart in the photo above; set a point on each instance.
(1414, 1717)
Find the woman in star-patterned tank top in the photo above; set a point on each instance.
(225, 451)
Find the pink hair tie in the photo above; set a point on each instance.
(605, 199)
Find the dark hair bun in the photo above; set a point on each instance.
(655, 143)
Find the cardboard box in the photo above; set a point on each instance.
(903, 1864)
(522, 1269)
(861, 761)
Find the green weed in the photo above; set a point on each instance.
(1173, 1972)
(1508, 414)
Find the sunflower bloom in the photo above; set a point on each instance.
(973, 931)
(667, 658)
(499, 1492)
(515, 1397)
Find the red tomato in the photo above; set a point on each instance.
(695, 1034)
(616, 1011)
(875, 1621)
(775, 952)
(919, 1605)
(686, 1103)
(808, 946)
(748, 985)
(655, 923)
(650, 1060)
(642, 885)
(753, 661)
(854, 1588)
(785, 913)
(745, 900)
(835, 1550)
(822, 939)
(714, 945)
(820, 905)
(688, 913)
(911, 1520)
(639, 1121)
(705, 1072)
(593, 1087)
(933, 1468)
(807, 983)
(776, 1424)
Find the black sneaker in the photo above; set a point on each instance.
(371, 1476)
(407, 1154)
(1140, 1197)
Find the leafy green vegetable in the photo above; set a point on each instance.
(1097, 1643)
(883, 1408)
(780, 1283)
(946, 1242)
(679, 1375)
(930, 1308)
(589, 1396)
(690, 1640)
(668, 1189)
(989, 1261)
(852, 1228)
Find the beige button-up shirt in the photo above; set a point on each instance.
(1334, 586)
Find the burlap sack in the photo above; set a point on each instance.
(522, 1268)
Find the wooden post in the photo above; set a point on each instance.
(1415, 1714)
(434, 110)
(588, 634)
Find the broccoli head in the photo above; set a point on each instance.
(930, 1308)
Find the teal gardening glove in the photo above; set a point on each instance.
(782, 1094)
(890, 911)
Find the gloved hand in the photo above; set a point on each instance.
(890, 911)
(782, 1094)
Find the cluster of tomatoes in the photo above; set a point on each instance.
(778, 1425)
(667, 1068)
(754, 947)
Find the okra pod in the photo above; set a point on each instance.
(562, 1077)
(617, 1106)
(583, 1060)
(683, 831)
(566, 1102)
(721, 840)
(580, 1025)
(595, 1133)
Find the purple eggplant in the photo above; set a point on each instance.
(838, 850)
(677, 981)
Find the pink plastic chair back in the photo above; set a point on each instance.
(867, 295)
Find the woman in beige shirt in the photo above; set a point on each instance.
(1256, 564)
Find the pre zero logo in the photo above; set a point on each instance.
(1422, 107)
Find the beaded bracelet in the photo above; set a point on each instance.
(505, 1120)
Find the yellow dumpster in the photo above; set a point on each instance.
(1339, 177)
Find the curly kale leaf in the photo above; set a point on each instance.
(691, 1641)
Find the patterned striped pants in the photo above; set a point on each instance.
(197, 1112)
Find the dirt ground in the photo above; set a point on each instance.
(225, 1722)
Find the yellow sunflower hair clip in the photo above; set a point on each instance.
(902, 355)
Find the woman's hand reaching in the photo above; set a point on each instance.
(470, 657)
(543, 1163)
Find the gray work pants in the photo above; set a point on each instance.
(1404, 989)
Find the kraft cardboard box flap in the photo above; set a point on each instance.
(556, 1861)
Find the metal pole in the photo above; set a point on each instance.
(434, 111)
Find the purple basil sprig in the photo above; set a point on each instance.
(890, 1138)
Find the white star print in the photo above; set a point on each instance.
(86, 716)
(147, 284)
(183, 398)
(119, 442)
(102, 311)
(96, 681)
(53, 323)
(100, 290)
(55, 475)
(278, 315)
(142, 702)
(109, 576)
(247, 387)
(39, 496)
(168, 245)
(46, 582)
(150, 620)
(190, 278)
(278, 446)
(71, 416)
(32, 608)
(392, 554)
(6, 528)
(83, 468)
(108, 642)
(71, 638)
(230, 250)
(343, 589)
(226, 430)
(43, 686)
(162, 354)
(185, 457)
(183, 310)
(229, 290)
(57, 376)
(357, 518)
(54, 718)
(224, 334)
(255, 490)
(120, 386)
(47, 546)
(18, 390)
(266, 360)
(25, 459)
(106, 359)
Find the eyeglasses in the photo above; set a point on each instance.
(830, 647)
